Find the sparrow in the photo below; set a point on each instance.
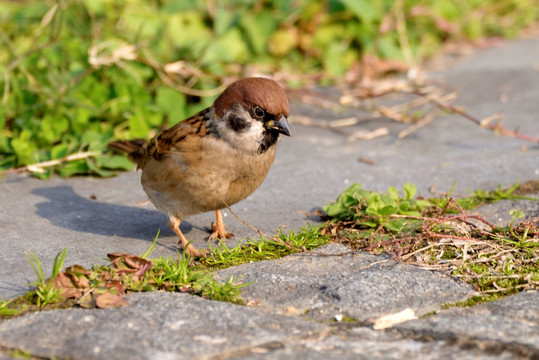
(214, 158)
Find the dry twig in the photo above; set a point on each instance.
(485, 123)
(400, 113)
(41, 166)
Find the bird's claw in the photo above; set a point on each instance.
(194, 252)
(219, 232)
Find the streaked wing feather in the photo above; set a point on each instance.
(196, 125)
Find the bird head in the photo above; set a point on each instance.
(251, 114)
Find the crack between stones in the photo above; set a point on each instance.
(270, 346)
(487, 346)
(8, 351)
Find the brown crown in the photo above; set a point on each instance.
(262, 92)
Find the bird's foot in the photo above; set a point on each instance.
(218, 231)
(194, 252)
(189, 249)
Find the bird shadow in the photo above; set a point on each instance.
(67, 209)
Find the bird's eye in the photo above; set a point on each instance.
(259, 112)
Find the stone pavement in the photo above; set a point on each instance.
(298, 300)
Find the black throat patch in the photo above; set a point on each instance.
(268, 140)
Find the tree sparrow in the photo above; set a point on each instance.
(214, 158)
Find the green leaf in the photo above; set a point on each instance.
(53, 127)
(97, 170)
(80, 119)
(282, 42)
(369, 223)
(59, 151)
(258, 30)
(24, 148)
(73, 168)
(44, 175)
(188, 29)
(7, 162)
(410, 213)
(336, 210)
(5, 145)
(409, 191)
(387, 199)
(373, 210)
(348, 200)
(114, 162)
(172, 102)
(353, 188)
(229, 48)
(361, 8)
(224, 20)
(389, 47)
(392, 191)
(2, 118)
(422, 204)
(373, 201)
(94, 140)
(142, 21)
(333, 60)
(404, 206)
(138, 128)
(388, 210)
(97, 7)
(395, 225)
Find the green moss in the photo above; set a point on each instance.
(474, 300)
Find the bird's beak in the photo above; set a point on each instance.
(280, 125)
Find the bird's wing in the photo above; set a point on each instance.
(196, 125)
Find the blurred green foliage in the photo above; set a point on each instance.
(76, 73)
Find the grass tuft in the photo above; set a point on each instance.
(104, 286)
(438, 234)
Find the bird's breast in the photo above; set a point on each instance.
(203, 175)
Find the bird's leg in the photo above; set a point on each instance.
(187, 248)
(218, 230)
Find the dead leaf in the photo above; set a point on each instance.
(129, 262)
(77, 270)
(87, 301)
(72, 285)
(116, 256)
(138, 263)
(108, 300)
(116, 284)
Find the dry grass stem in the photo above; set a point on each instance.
(367, 135)
(494, 259)
(41, 166)
(403, 112)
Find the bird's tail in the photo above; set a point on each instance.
(135, 149)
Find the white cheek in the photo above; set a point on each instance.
(252, 135)
(247, 140)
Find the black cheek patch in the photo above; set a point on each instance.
(238, 124)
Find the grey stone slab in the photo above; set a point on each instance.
(366, 344)
(181, 326)
(513, 321)
(153, 326)
(499, 213)
(324, 283)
